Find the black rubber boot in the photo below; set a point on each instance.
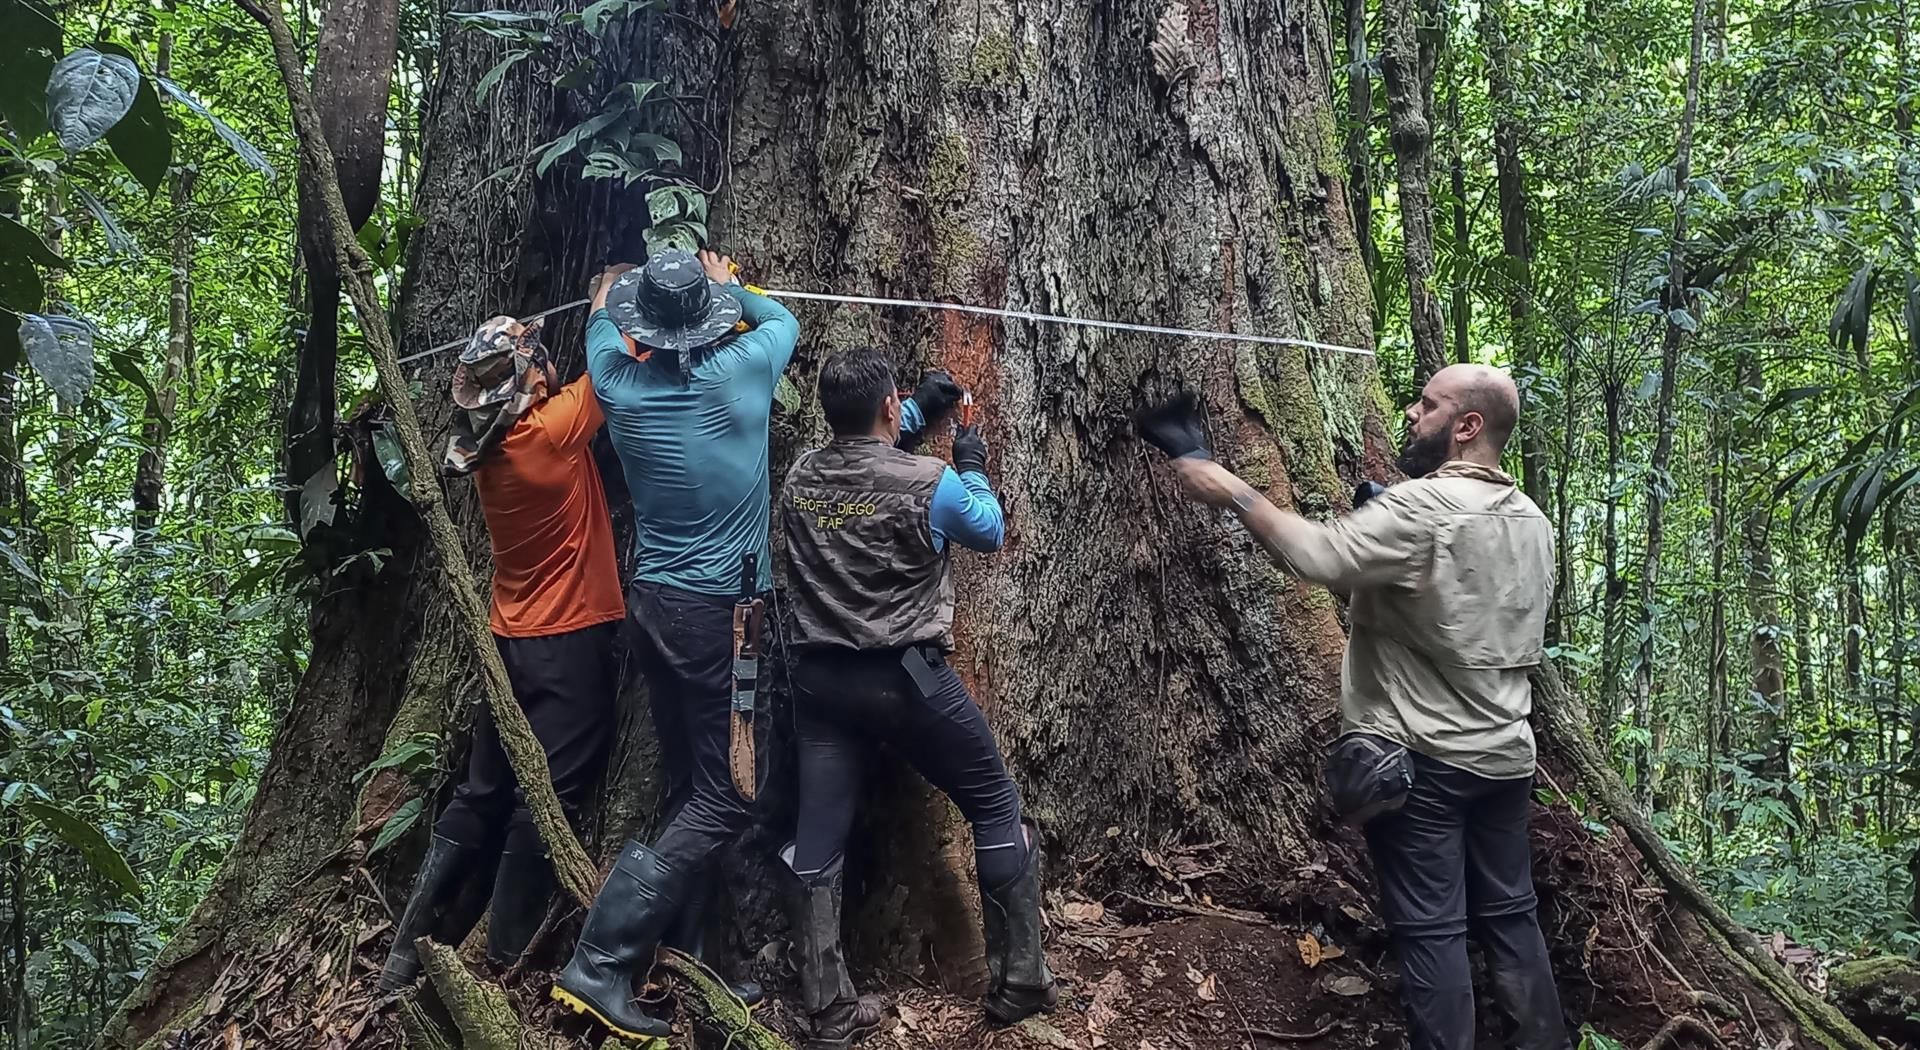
(836, 1015)
(636, 904)
(1021, 984)
(445, 869)
(522, 888)
(688, 935)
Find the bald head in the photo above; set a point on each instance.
(1465, 412)
(1483, 389)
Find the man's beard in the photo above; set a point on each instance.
(1421, 456)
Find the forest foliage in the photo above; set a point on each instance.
(151, 308)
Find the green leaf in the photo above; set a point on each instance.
(88, 92)
(142, 140)
(786, 395)
(634, 93)
(128, 369)
(597, 14)
(30, 43)
(417, 753)
(10, 348)
(61, 350)
(16, 239)
(21, 290)
(494, 75)
(117, 240)
(565, 144)
(397, 825)
(80, 952)
(246, 151)
(665, 150)
(92, 844)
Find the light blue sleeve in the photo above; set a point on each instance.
(775, 331)
(911, 419)
(609, 363)
(966, 511)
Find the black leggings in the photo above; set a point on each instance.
(847, 704)
(566, 684)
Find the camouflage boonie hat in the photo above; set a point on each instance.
(493, 386)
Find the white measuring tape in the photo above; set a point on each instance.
(987, 311)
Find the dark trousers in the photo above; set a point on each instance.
(684, 642)
(566, 684)
(1456, 853)
(848, 703)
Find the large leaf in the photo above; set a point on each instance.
(87, 94)
(16, 239)
(493, 76)
(91, 843)
(142, 140)
(61, 350)
(9, 340)
(29, 46)
(246, 151)
(21, 290)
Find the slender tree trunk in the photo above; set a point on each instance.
(352, 73)
(1410, 123)
(150, 472)
(1612, 643)
(1773, 725)
(1360, 132)
(1462, 232)
(1719, 716)
(1659, 481)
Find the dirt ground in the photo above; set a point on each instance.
(1201, 960)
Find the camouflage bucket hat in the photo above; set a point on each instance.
(494, 384)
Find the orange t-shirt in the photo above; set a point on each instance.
(553, 561)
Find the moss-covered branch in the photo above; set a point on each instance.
(320, 176)
(708, 999)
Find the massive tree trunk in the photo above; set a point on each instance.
(1160, 692)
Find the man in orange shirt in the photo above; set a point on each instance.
(556, 610)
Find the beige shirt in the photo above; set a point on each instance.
(1450, 576)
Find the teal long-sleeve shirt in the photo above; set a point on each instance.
(696, 456)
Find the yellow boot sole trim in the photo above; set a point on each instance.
(581, 1006)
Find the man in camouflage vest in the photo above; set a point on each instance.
(868, 529)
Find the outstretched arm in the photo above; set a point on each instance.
(1385, 542)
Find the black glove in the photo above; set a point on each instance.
(936, 395)
(969, 451)
(1365, 491)
(1175, 427)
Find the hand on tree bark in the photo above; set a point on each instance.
(720, 268)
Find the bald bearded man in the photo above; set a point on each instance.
(1450, 576)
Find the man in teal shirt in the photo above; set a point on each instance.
(686, 394)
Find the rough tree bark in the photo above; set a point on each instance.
(1410, 124)
(1152, 680)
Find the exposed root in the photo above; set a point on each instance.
(711, 1004)
(480, 1010)
(417, 1029)
(1670, 1032)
